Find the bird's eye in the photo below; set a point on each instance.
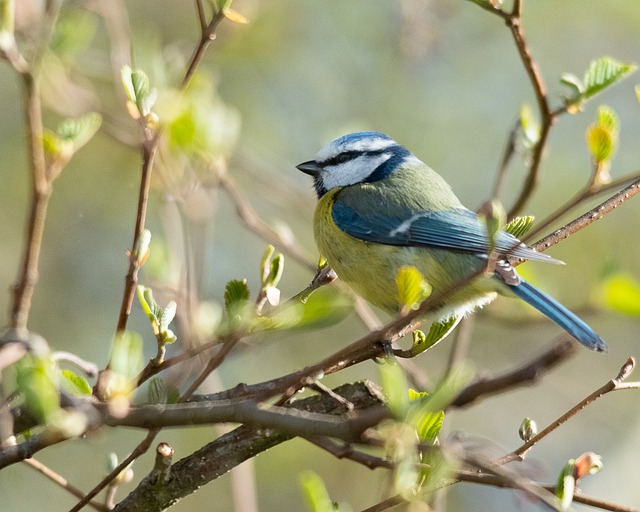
(343, 157)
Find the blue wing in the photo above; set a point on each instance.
(457, 230)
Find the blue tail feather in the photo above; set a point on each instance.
(555, 311)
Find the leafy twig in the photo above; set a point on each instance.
(149, 148)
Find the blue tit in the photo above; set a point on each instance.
(381, 208)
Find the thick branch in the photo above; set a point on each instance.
(306, 422)
(228, 451)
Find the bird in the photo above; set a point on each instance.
(380, 208)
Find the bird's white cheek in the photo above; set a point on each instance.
(354, 171)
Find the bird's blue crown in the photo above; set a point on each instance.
(361, 157)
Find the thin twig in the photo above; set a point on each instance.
(547, 118)
(578, 497)
(347, 451)
(507, 156)
(202, 19)
(149, 148)
(62, 482)
(139, 450)
(586, 193)
(591, 216)
(614, 384)
(213, 363)
(207, 36)
(524, 374)
(152, 369)
(253, 221)
(40, 193)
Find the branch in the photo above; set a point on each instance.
(41, 188)
(591, 216)
(229, 450)
(578, 497)
(208, 34)
(139, 450)
(251, 219)
(590, 190)
(149, 148)
(547, 117)
(62, 482)
(17, 453)
(306, 423)
(525, 374)
(614, 384)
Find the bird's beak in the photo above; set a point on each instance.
(311, 168)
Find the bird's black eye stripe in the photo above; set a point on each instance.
(346, 156)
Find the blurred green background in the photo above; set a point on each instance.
(441, 77)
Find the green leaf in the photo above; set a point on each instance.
(449, 388)
(141, 250)
(530, 126)
(574, 83)
(75, 383)
(7, 23)
(601, 143)
(394, 386)
(621, 293)
(73, 32)
(137, 87)
(323, 308)
(604, 72)
(566, 486)
(265, 263)
(79, 131)
(157, 391)
(494, 216)
(437, 332)
(315, 493)
(426, 422)
(159, 317)
(602, 140)
(168, 314)
(36, 384)
(423, 418)
(483, 3)
(236, 294)
(528, 429)
(275, 271)
(51, 142)
(126, 354)
(145, 297)
(412, 288)
(127, 83)
(140, 84)
(221, 5)
(520, 225)
(607, 118)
